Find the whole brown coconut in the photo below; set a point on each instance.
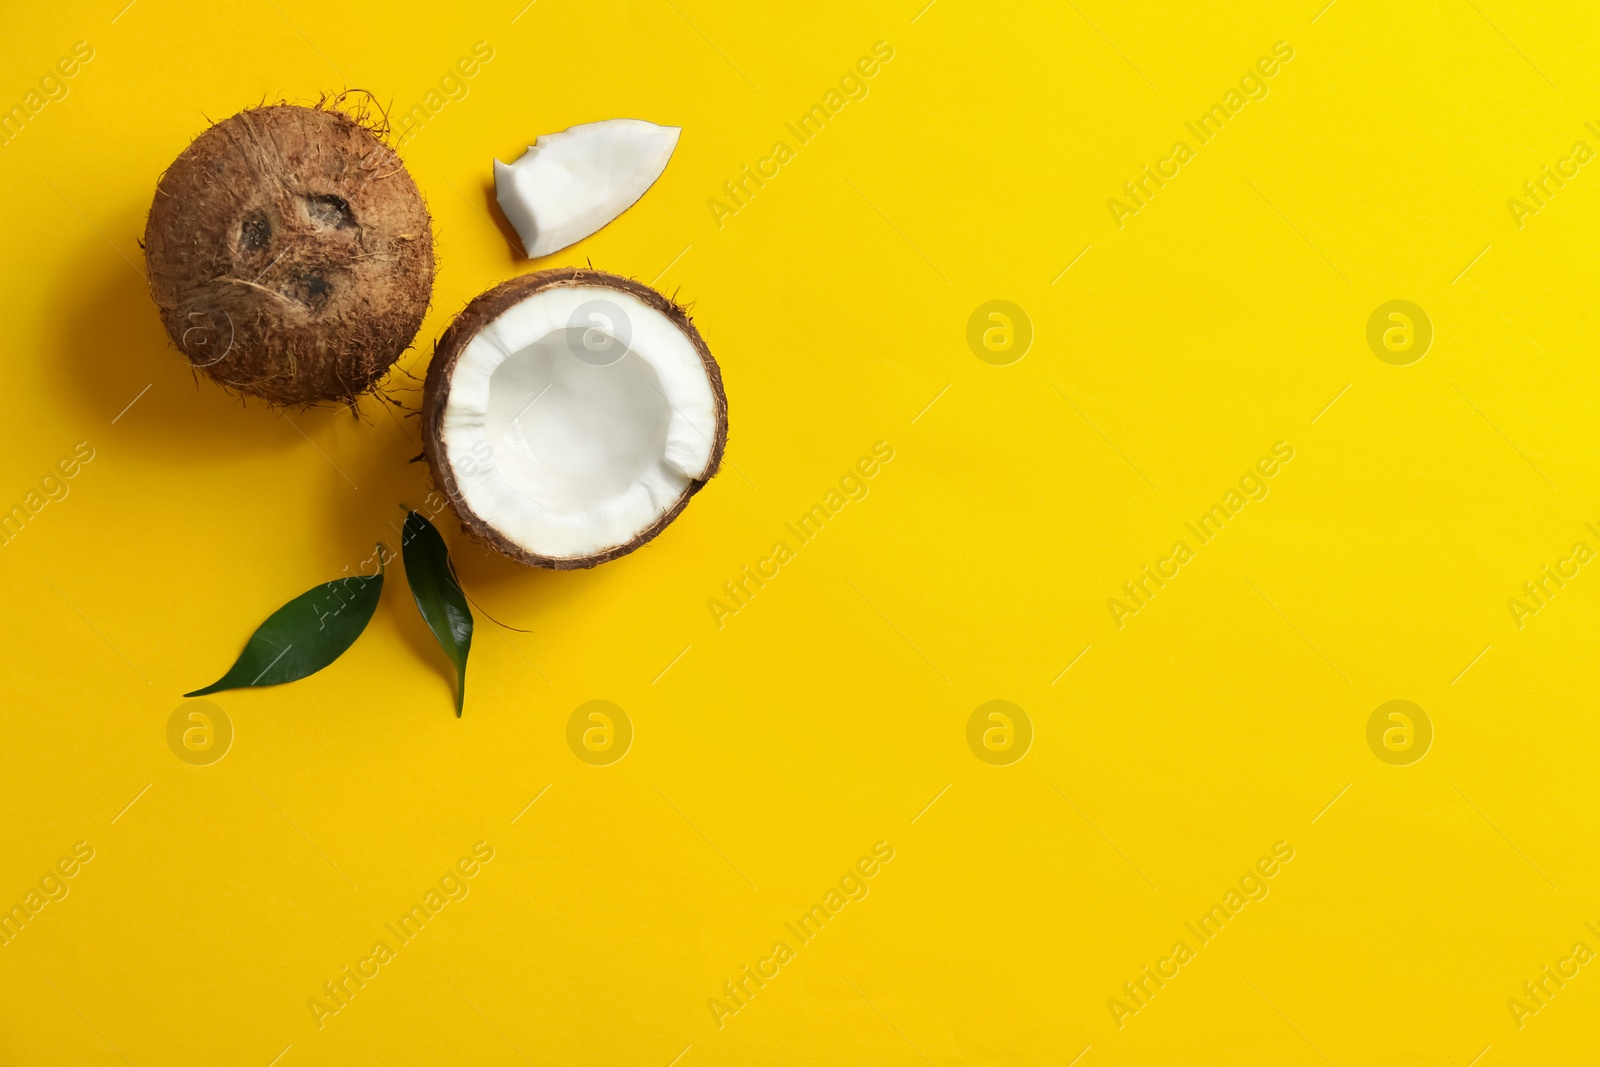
(290, 254)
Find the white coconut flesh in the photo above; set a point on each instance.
(567, 185)
(572, 439)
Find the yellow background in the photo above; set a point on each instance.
(828, 713)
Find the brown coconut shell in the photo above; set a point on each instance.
(490, 306)
(290, 254)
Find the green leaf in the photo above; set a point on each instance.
(438, 595)
(305, 635)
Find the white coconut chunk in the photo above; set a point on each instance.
(577, 418)
(568, 185)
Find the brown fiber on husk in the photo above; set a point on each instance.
(484, 310)
(290, 254)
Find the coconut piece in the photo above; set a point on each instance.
(290, 254)
(568, 185)
(569, 415)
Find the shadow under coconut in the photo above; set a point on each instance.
(514, 593)
(113, 346)
(491, 207)
(534, 599)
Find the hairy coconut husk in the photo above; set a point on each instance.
(484, 310)
(290, 254)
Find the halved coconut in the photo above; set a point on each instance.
(569, 415)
